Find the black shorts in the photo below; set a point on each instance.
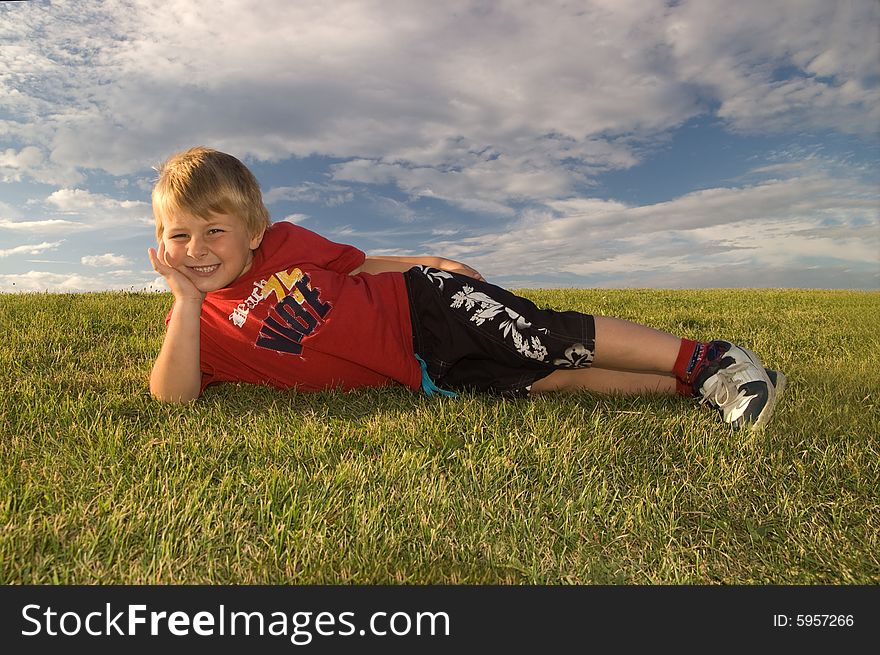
(476, 336)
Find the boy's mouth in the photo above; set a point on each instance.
(204, 270)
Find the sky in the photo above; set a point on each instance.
(585, 143)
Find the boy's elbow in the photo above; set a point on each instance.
(173, 396)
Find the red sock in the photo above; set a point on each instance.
(690, 355)
(683, 389)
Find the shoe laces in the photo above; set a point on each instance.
(721, 389)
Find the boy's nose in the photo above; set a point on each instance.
(196, 248)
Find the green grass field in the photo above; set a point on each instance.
(100, 484)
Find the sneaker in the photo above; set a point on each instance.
(735, 382)
(778, 380)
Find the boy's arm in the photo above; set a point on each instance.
(177, 375)
(376, 265)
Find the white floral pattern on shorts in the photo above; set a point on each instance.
(510, 323)
(473, 335)
(576, 356)
(483, 308)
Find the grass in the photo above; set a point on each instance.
(100, 484)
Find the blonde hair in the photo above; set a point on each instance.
(201, 181)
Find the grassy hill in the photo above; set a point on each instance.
(100, 484)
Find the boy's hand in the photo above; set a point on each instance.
(181, 286)
(462, 269)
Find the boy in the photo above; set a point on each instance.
(281, 305)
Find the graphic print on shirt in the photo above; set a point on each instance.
(239, 314)
(298, 312)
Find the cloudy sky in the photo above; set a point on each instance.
(593, 143)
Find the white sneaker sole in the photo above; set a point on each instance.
(773, 392)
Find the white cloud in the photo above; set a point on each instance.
(713, 237)
(107, 259)
(84, 211)
(295, 218)
(158, 284)
(34, 249)
(485, 186)
(91, 210)
(75, 282)
(777, 65)
(53, 225)
(480, 105)
(13, 163)
(487, 106)
(81, 201)
(331, 195)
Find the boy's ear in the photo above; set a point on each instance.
(257, 240)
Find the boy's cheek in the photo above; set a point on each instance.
(172, 258)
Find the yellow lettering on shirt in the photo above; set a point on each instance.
(282, 283)
(288, 279)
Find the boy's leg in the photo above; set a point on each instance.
(647, 357)
(601, 380)
(730, 378)
(478, 323)
(632, 347)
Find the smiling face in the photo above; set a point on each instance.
(212, 253)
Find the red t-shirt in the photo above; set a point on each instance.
(298, 319)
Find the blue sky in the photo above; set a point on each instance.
(612, 143)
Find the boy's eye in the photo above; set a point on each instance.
(214, 230)
(178, 236)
